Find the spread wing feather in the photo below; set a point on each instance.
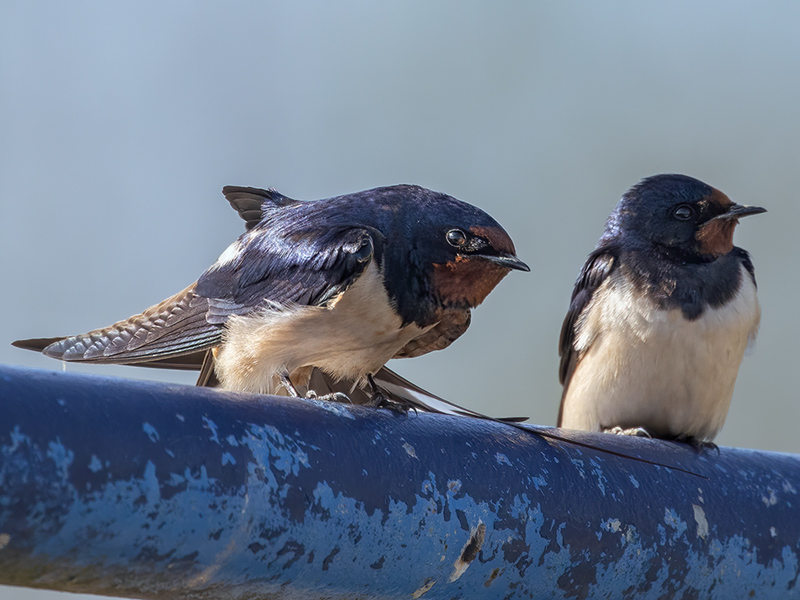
(290, 259)
(171, 328)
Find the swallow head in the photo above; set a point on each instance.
(469, 253)
(679, 214)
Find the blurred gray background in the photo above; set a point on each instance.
(121, 121)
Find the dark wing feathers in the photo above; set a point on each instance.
(744, 256)
(307, 268)
(598, 266)
(399, 390)
(252, 203)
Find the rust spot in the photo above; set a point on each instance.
(492, 576)
(469, 552)
(466, 280)
(716, 236)
(423, 588)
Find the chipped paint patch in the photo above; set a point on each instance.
(429, 583)
(454, 486)
(612, 525)
(700, 519)
(94, 464)
(212, 427)
(61, 456)
(502, 459)
(469, 552)
(409, 450)
(677, 524)
(150, 431)
(773, 532)
(5, 539)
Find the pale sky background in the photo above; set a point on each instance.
(121, 121)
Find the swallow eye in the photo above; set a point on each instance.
(683, 212)
(456, 237)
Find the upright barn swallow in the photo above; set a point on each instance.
(339, 285)
(660, 316)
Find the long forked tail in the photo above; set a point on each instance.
(172, 328)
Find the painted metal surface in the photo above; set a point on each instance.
(147, 490)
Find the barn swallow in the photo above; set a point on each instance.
(660, 316)
(337, 286)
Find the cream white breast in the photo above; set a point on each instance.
(653, 368)
(351, 337)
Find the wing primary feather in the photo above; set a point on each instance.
(171, 328)
(207, 376)
(597, 268)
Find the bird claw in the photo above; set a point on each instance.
(379, 400)
(338, 397)
(634, 431)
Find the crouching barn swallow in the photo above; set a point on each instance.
(339, 286)
(660, 316)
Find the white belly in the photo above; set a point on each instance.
(349, 339)
(644, 367)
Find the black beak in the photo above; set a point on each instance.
(508, 261)
(737, 210)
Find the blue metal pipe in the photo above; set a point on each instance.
(146, 490)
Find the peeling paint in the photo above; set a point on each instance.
(700, 519)
(288, 499)
(409, 450)
(418, 593)
(454, 486)
(613, 525)
(469, 552)
(150, 431)
(95, 465)
(502, 459)
(5, 539)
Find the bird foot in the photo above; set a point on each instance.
(333, 397)
(379, 400)
(634, 431)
